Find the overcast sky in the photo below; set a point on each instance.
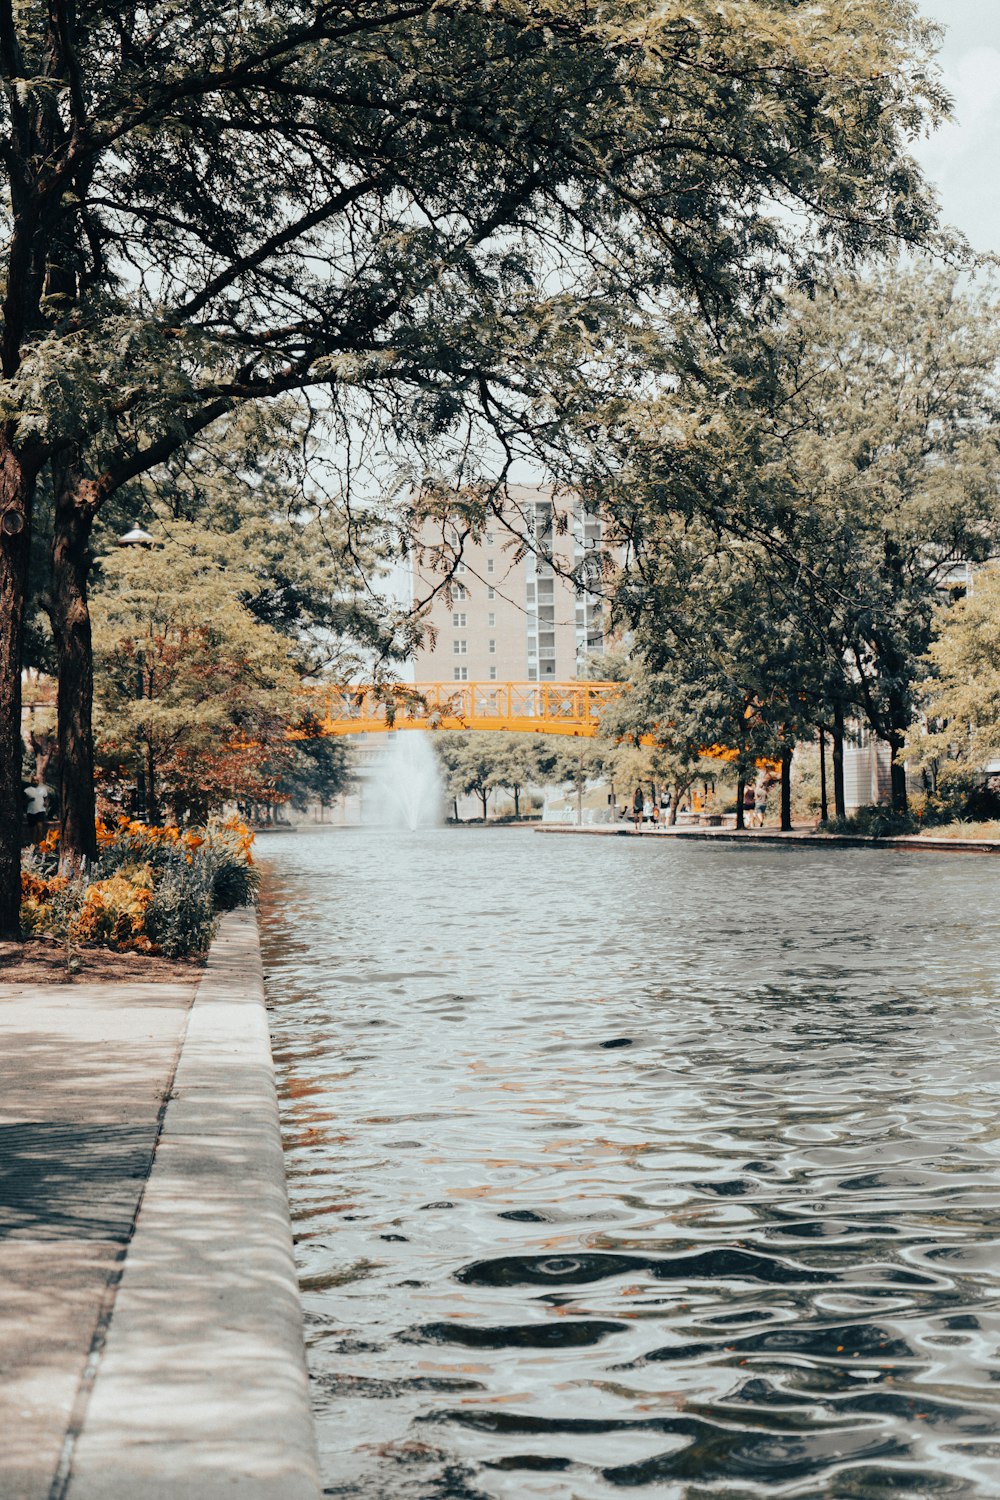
(963, 159)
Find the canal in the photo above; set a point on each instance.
(639, 1165)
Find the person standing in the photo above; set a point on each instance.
(36, 799)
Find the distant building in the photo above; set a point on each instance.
(512, 614)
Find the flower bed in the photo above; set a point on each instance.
(152, 890)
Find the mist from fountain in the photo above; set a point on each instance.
(406, 790)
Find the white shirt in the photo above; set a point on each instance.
(36, 797)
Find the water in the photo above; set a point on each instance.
(637, 1166)
(405, 790)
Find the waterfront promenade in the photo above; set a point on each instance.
(150, 1326)
(802, 834)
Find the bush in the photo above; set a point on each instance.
(982, 805)
(874, 823)
(227, 851)
(181, 917)
(112, 914)
(153, 890)
(47, 902)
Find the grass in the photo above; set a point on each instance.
(963, 830)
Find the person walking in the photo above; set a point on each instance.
(760, 803)
(638, 803)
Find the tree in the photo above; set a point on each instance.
(518, 761)
(457, 196)
(316, 770)
(195, 696)
(469, 764)
(315, 565)
(835, 468)
(961, 698)
(721, 662)
(574, 762)
(897, 463)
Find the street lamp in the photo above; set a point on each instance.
(138, 538)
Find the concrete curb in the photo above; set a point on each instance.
(201, 1389)
(809, 840)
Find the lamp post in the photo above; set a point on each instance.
(138, 538)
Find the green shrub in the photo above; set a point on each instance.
(151, 889)
(181, 916)
(874, 823)
(235, 878)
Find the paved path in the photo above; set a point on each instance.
(801, 834)
(150, 1329)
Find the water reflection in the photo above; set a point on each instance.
(647, 1166)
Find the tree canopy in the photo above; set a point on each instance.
(792, 506)
(962, 696)
(194, 694)
(448, 219)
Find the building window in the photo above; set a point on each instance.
(493, 648)
(461, 674)
(460, 591)
(491, 593)
(488, 538)
(493, 674)
(489, 565)
(458, 619)
(460, 647)
(461, 568)
(491, 618)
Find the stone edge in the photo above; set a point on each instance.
(202, 1387)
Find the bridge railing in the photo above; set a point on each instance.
(571, 708)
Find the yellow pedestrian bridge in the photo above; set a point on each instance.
(571, 708)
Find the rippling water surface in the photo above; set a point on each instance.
(626, 1164)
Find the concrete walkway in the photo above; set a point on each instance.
(801, 835)
(150, 1327)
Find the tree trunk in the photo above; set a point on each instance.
(824, 806)
(741, 787)
(674, 800)
(483, 798)
(74, 660)
(517, 801)
(786, 789)
(152, 802)
(42, 747)
(897, 772)
(839, 800)
(16, 486)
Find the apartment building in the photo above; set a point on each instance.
(514, 614)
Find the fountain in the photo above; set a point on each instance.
(405, 789)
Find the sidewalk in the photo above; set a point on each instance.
(150, 1328)
(803, 834)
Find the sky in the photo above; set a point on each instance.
(963, 159)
